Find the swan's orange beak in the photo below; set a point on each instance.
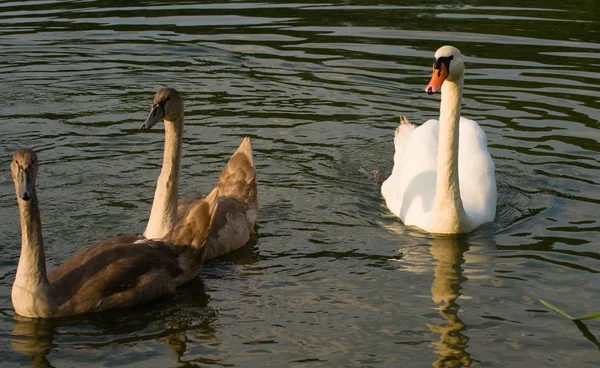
(437, 78)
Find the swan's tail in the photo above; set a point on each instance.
(403, 131)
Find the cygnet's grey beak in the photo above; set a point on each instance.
(25, 186)
(157, 113)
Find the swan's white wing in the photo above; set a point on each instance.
(476, 174)
(410, 190)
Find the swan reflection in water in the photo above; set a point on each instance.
(448, 252)
(34, 337)
(167, 320)
(445, 290)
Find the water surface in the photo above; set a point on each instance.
(332, 278)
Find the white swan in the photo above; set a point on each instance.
(443, 179)
(235, 191)
(115, 273)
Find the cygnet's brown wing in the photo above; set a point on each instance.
(185, 204)
(191, 231)
(238, 178)
(231, 229)
(116, 273)
(236, 193)
(85, 255)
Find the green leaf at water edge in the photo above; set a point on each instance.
(592, 316)
(567, 315)
(557, 310)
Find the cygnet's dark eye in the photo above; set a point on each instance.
(162, 102)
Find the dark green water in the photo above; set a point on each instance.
(332, 279)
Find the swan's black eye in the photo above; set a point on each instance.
(445, 60)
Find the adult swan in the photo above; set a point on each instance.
(443, 178)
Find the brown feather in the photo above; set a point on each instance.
(107, 275)
(192, 230)
(237, 197)
(184, 205)
(121, 272)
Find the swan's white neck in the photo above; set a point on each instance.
(448, 215)
(164, 207)
(31, 293)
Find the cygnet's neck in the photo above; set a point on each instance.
(32, 263)
(32, 294)
(164, 207)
